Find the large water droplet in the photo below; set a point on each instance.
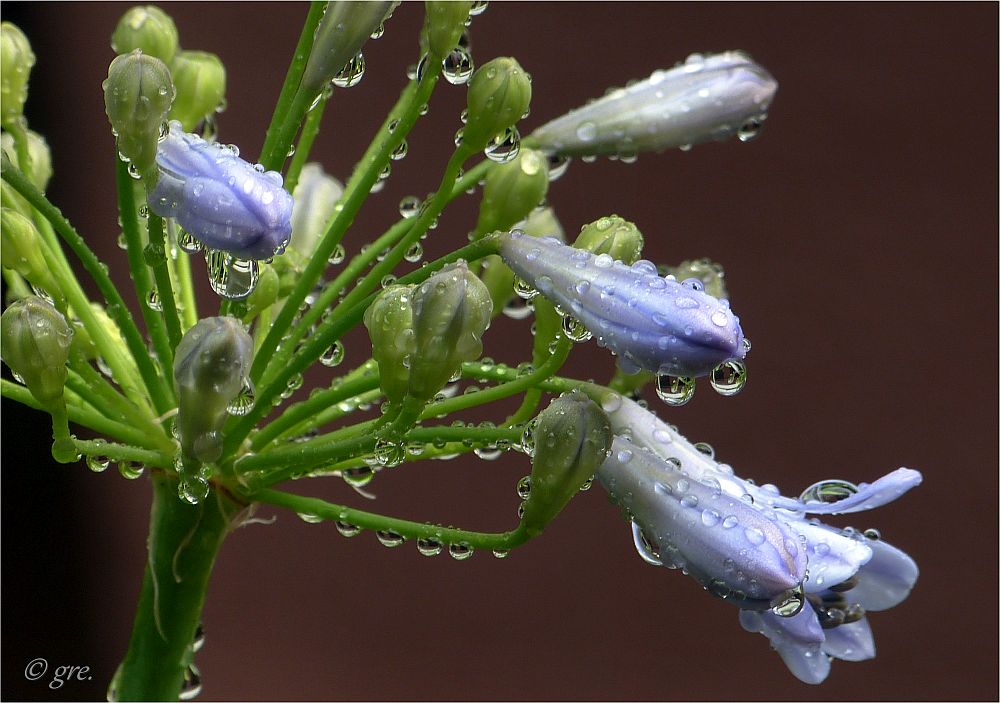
(244, 400)
(828, 491)
(131, 470)
(729, 377)
(333, 356)
(389, 538)
(789, 603)
(192, 684)
(429, 547)
(457, 66)
(750, 129)
(351, 74)
(575, 330)
(231, 278)
(97, 464)
(504, 147)
(459, 551)
(674, 390)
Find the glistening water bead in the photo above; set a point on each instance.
(231, 278)
(675, 390)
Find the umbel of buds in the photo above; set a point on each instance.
(149, 29)
(572, 438)
(706, 98)
(499, 95)
(36, 342)
(137, 97)
(219, 198)
(344, 29)
(210, 368)
(614, 236)
(15, 65)
(200, 80)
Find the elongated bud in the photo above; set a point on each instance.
(512, 191)
(652, 323)
(389, 320)
(316, 195)
(36, 340)
(149, 29)
(15, 66)
(344, 29)
(614, 236)
(21, 250)
(707, 271)
(572, 438)
(499, 95)
(137, 97)
(39, 168)
(451, 310)
(210, 367)
(706, 98)
(219, 198)
(497, 275)
(200, 80)
(444, 22)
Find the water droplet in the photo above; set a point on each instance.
(557, 166)
(872, 534)
(346, 529)
(187, 242)
(504, 147)
(575, 330)
(409, 206)
(131, 469)
(428, 546)
(706, 449)
(400, 151)
(337, 255)
(192, 684)
(389, 453)
(97, 464)
(153, 300)
(459, 551)
(478, 7)
(192, 489)
(674, 390)
(358, 476)
(754, 536)
(729, 377)
(231, 278)
(828, 491)
(389, 538)
(333, 356)
(524, 487)
(310, 518)
(527, 442)
(415, 253)
(501, 553)
(789, 603)
(351, 74)
(524, 289)
(244, 400)
(749, 130)
(199, 638)
(457, 66)
(586, 131)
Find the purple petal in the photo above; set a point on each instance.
(652, 323)
(851, 642)
(798, 640)
(868, 496)
(833, 557)
(886, 580)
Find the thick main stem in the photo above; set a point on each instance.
(183, 542)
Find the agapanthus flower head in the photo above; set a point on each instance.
(797, 580)
(651, 322)
(705, 98)
(220, 199)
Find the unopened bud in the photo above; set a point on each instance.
(344, 29)
(497, 275)
(200, 80)
(315, 195)
(512, 191)
(210, 368)
(36, 340)
(451, 310)
(20, 250)
(15, 66)
(389, 320)
(39, 167)
(444, 22)
(149, 29)
(137, 97)
(706, 271)
(499, 95)
(614, 236)
(572, 438)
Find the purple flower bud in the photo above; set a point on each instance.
(220, 199)
(705, 98)
(652, 323)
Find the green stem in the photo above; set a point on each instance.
(309, 131)
(405, 528)
(291, 84)
(164, 287)
(185, 284)
(124, 452)
(183, 543)
(331, 413)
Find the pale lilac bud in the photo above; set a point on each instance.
(651, 322)
(705, 98)
(220, 199)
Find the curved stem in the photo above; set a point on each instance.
(164, 287)
(309, 131)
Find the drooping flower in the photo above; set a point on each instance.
(796, 580)
(652, 323)
(220, 199)
(705, 98)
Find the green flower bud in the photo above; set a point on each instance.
(497, 276)
(444, 22)
(499, 95)
(137, 97)
(16, 60)
(451, 310)
(20, 250)
(148, 29)
(344, 29)
(512, 190)
(389, 320)
(200, 81)
(706, 271)
(614, 236)
(572, 438)
(36, 340)
(39, 168)
(210, 367)
(316, 195)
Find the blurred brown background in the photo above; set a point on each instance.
(859, 236)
